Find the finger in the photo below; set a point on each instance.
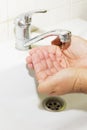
(39, 59)
(30, 66)
(49, 49)
(45, 52)
(58, 52)
(52, 57)
(52, 49)
(57, 66)
(33, 50)
(29, 59)
(49, 62)
(35, 58)
(29, 62)
(40, 54)
(44, 64)
(38, 67)
(65, 45)
(39, 62)
(63, 63)
(41, 76)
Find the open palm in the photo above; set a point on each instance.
(48, 60)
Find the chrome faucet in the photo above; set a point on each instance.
(23, 31)
(23, 28)
(63, 35)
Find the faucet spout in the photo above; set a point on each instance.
(63, 35)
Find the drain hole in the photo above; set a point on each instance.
(53, 104)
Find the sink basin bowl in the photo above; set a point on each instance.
(21, 105)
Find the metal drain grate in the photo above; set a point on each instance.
(53, 104)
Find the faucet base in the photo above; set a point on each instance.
(20, 45)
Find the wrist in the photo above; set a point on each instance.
(81, 80)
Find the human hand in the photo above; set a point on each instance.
(76, 53)
(65, 81)
(47, 61)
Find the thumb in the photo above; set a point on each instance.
(60, 83)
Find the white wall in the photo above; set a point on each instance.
(58, 11)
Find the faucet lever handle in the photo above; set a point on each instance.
(28, 15)
(26, 18)
(37, 11)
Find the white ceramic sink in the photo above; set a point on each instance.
(20, 104)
